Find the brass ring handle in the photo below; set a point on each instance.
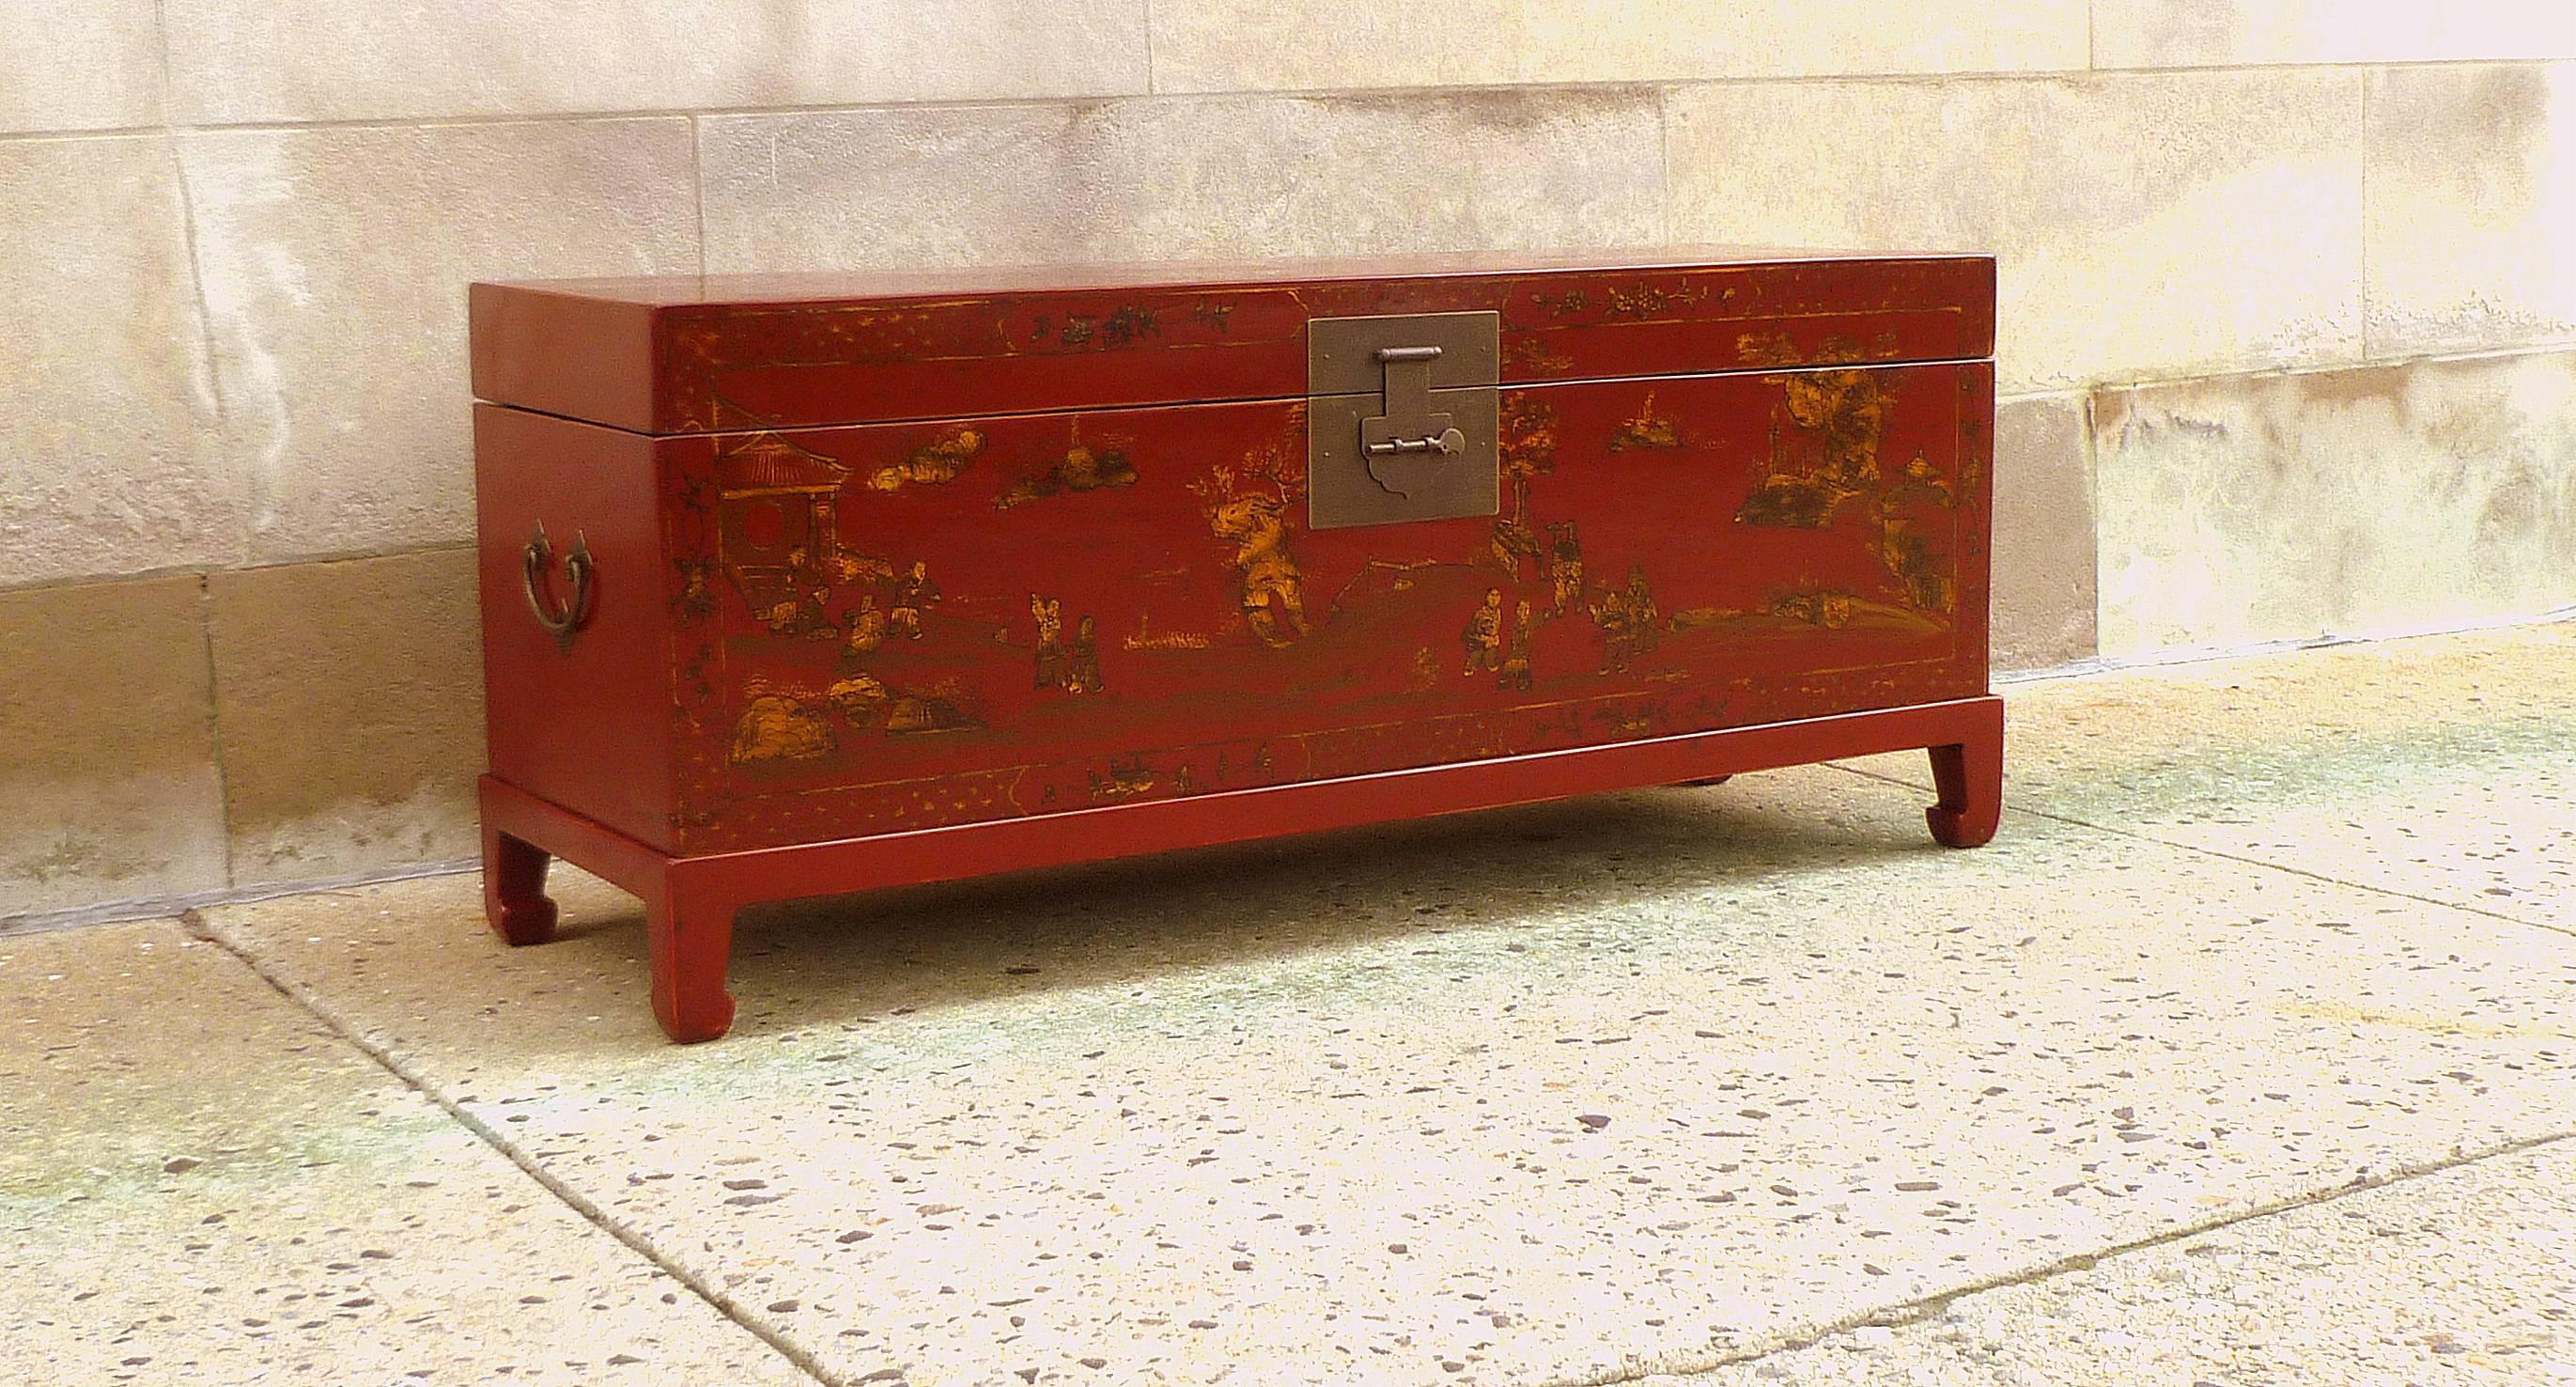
(567, 621)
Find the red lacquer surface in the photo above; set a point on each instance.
(863, 651)
(588, 724)
(916, 584)
(797, 351)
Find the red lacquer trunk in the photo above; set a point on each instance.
(885, 580)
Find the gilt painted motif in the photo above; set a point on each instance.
(1096, 608)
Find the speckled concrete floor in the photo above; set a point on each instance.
(2238, 1058)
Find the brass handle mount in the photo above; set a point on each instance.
(563, 622)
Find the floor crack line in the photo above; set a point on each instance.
(199, 926)
(1926, 1307)
(2135, 836)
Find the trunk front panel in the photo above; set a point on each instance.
(902, 626)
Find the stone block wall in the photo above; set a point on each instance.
(2288, 317)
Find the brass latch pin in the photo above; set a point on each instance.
(1407, 394)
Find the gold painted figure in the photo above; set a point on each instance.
(1049, 615)
(1630, 622)
(1084, 677)
(867, 628)
(1641, 603)
(800, 611)
(914, 593)
(1274, 598)
(1484, 634)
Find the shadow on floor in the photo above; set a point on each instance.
(1568, 865)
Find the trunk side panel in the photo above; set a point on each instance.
(587, 726)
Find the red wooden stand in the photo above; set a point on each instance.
(689, 902)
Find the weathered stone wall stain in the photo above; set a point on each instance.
(2472, 172)
(107, 753)
(350, 697)
(2338, 503)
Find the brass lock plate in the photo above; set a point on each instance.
(1402, 418)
